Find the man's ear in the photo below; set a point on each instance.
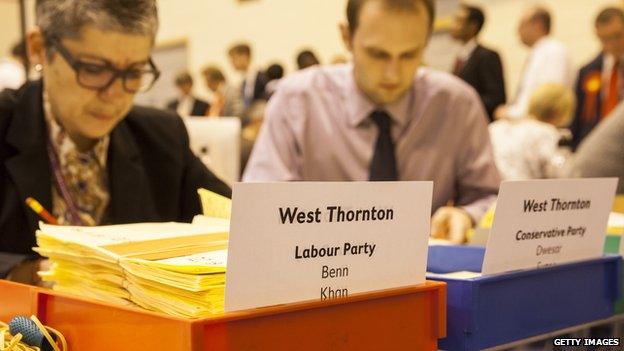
(35, 46)
(345, 33)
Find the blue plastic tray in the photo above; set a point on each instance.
(496, 309)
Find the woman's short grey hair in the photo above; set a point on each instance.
(65, 18)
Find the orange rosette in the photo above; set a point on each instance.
(591, 88)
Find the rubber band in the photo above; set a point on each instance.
(10, 342)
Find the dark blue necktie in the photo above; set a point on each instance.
(383, 164)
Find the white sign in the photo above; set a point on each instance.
(309, 240)
(540, 223)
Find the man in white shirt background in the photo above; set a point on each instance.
(548, 62)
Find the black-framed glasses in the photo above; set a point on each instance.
(99, 74)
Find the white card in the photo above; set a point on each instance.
(345, 238)
(540, 223)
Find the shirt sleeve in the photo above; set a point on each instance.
(276, 155)
(600, 154)
(9, 260)
(477, 176)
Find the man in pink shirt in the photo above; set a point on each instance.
(383, 118)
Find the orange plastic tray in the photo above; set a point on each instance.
(397, 319)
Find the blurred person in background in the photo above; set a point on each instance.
(306, 58)
(254, 115)
(12, 72)
(600, 83)
(274, 74)
(534, 147)
(548, 62)
(254, 81)
(187, 104)
(475, 64)
(226, 99)
(601, 153)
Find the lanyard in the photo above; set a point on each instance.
(62, 186)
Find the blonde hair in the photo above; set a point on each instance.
(552, 103)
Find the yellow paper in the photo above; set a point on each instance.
(175, 268)
(201, 263)
(189, 282)
(488, 218)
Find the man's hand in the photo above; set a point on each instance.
(26, 272)
(500, 112)
(451, 223)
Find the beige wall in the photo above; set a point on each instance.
(279, 28)
(9, 25)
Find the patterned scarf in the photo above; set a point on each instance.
(84, 174)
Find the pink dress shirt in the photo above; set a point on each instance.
(317, 128)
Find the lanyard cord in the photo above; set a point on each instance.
(62, 186)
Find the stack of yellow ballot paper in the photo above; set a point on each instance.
(175, 268)
(189, 286)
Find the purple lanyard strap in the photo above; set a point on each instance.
(62, 186)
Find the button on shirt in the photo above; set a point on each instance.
(317, 128)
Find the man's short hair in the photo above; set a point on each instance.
(240, 49)
(542, 16)
(65, 18)
(608, 14)
(213, 73)
(475, 16)
(354, 8)
(183, 78)
(306, 58)
(275, 71)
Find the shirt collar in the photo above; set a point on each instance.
(608, 61)
(359, 106)
(63, 143)
(466, 50)
(543, 41)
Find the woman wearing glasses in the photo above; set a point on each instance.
(75, 142)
